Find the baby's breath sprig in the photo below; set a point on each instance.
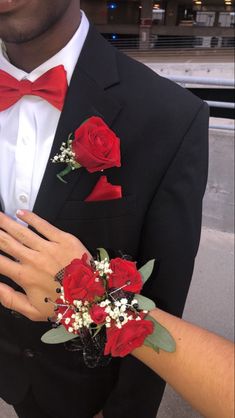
(66, 156)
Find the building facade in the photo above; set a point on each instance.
(152, 22)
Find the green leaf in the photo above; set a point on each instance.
(98, 329)
(103, 254)
(70, 138)
(160, 338)
(57, 336)
(144, 303)
(77, 165)
(147, 270)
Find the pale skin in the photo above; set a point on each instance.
(201, 369)
(37, 262)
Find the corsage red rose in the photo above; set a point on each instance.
(100, 309)
(123, 341)
(93, 146)
(79, 282)
(123, 272)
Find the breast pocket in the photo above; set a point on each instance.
(106, 209)
(108, 224)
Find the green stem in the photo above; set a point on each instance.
(63, 173)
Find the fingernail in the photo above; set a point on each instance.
(20, 212)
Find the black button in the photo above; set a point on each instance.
(16, 315)
(28, 353)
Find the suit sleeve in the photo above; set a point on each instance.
(171, 235)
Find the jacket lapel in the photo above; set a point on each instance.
(88, 95)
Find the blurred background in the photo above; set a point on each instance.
(192, 43)
(151, 24)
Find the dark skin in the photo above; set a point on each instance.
(35, 30)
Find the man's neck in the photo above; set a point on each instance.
(29, 55)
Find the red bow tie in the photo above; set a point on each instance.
(51, 86)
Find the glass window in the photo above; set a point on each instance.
(227, 19)
(205, 19)
(159, 13)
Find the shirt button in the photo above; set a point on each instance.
(28, 353)
(16, 315)
(25, 140)
(23, 198)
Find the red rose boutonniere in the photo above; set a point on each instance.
(93, 146)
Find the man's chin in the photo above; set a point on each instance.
(9, 6)
(15, 37)
(19, 32)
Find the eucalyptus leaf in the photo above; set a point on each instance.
(103, 254)
(160, 338)
(151, 345)
(147, 270)
(145, 304)
(57, 336)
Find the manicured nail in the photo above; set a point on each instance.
(20, 212)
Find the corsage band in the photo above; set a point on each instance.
(100, 310)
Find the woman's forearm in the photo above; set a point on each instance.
(201, 369)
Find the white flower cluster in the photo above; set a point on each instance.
(79, 319)
(103, 267)
(118, 311)
(67, 155)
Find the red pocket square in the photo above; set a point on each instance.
(104, 191)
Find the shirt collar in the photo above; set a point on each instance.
(67, 56)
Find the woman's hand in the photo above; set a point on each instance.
(37, 260)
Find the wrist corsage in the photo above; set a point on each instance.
(100, 310)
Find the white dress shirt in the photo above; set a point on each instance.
(28, 127)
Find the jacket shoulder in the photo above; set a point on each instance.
(144, 84)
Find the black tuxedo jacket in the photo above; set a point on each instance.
(164, 146)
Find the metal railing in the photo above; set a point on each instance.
(187, 80)
(164, 44)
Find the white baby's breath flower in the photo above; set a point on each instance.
(124, 301)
